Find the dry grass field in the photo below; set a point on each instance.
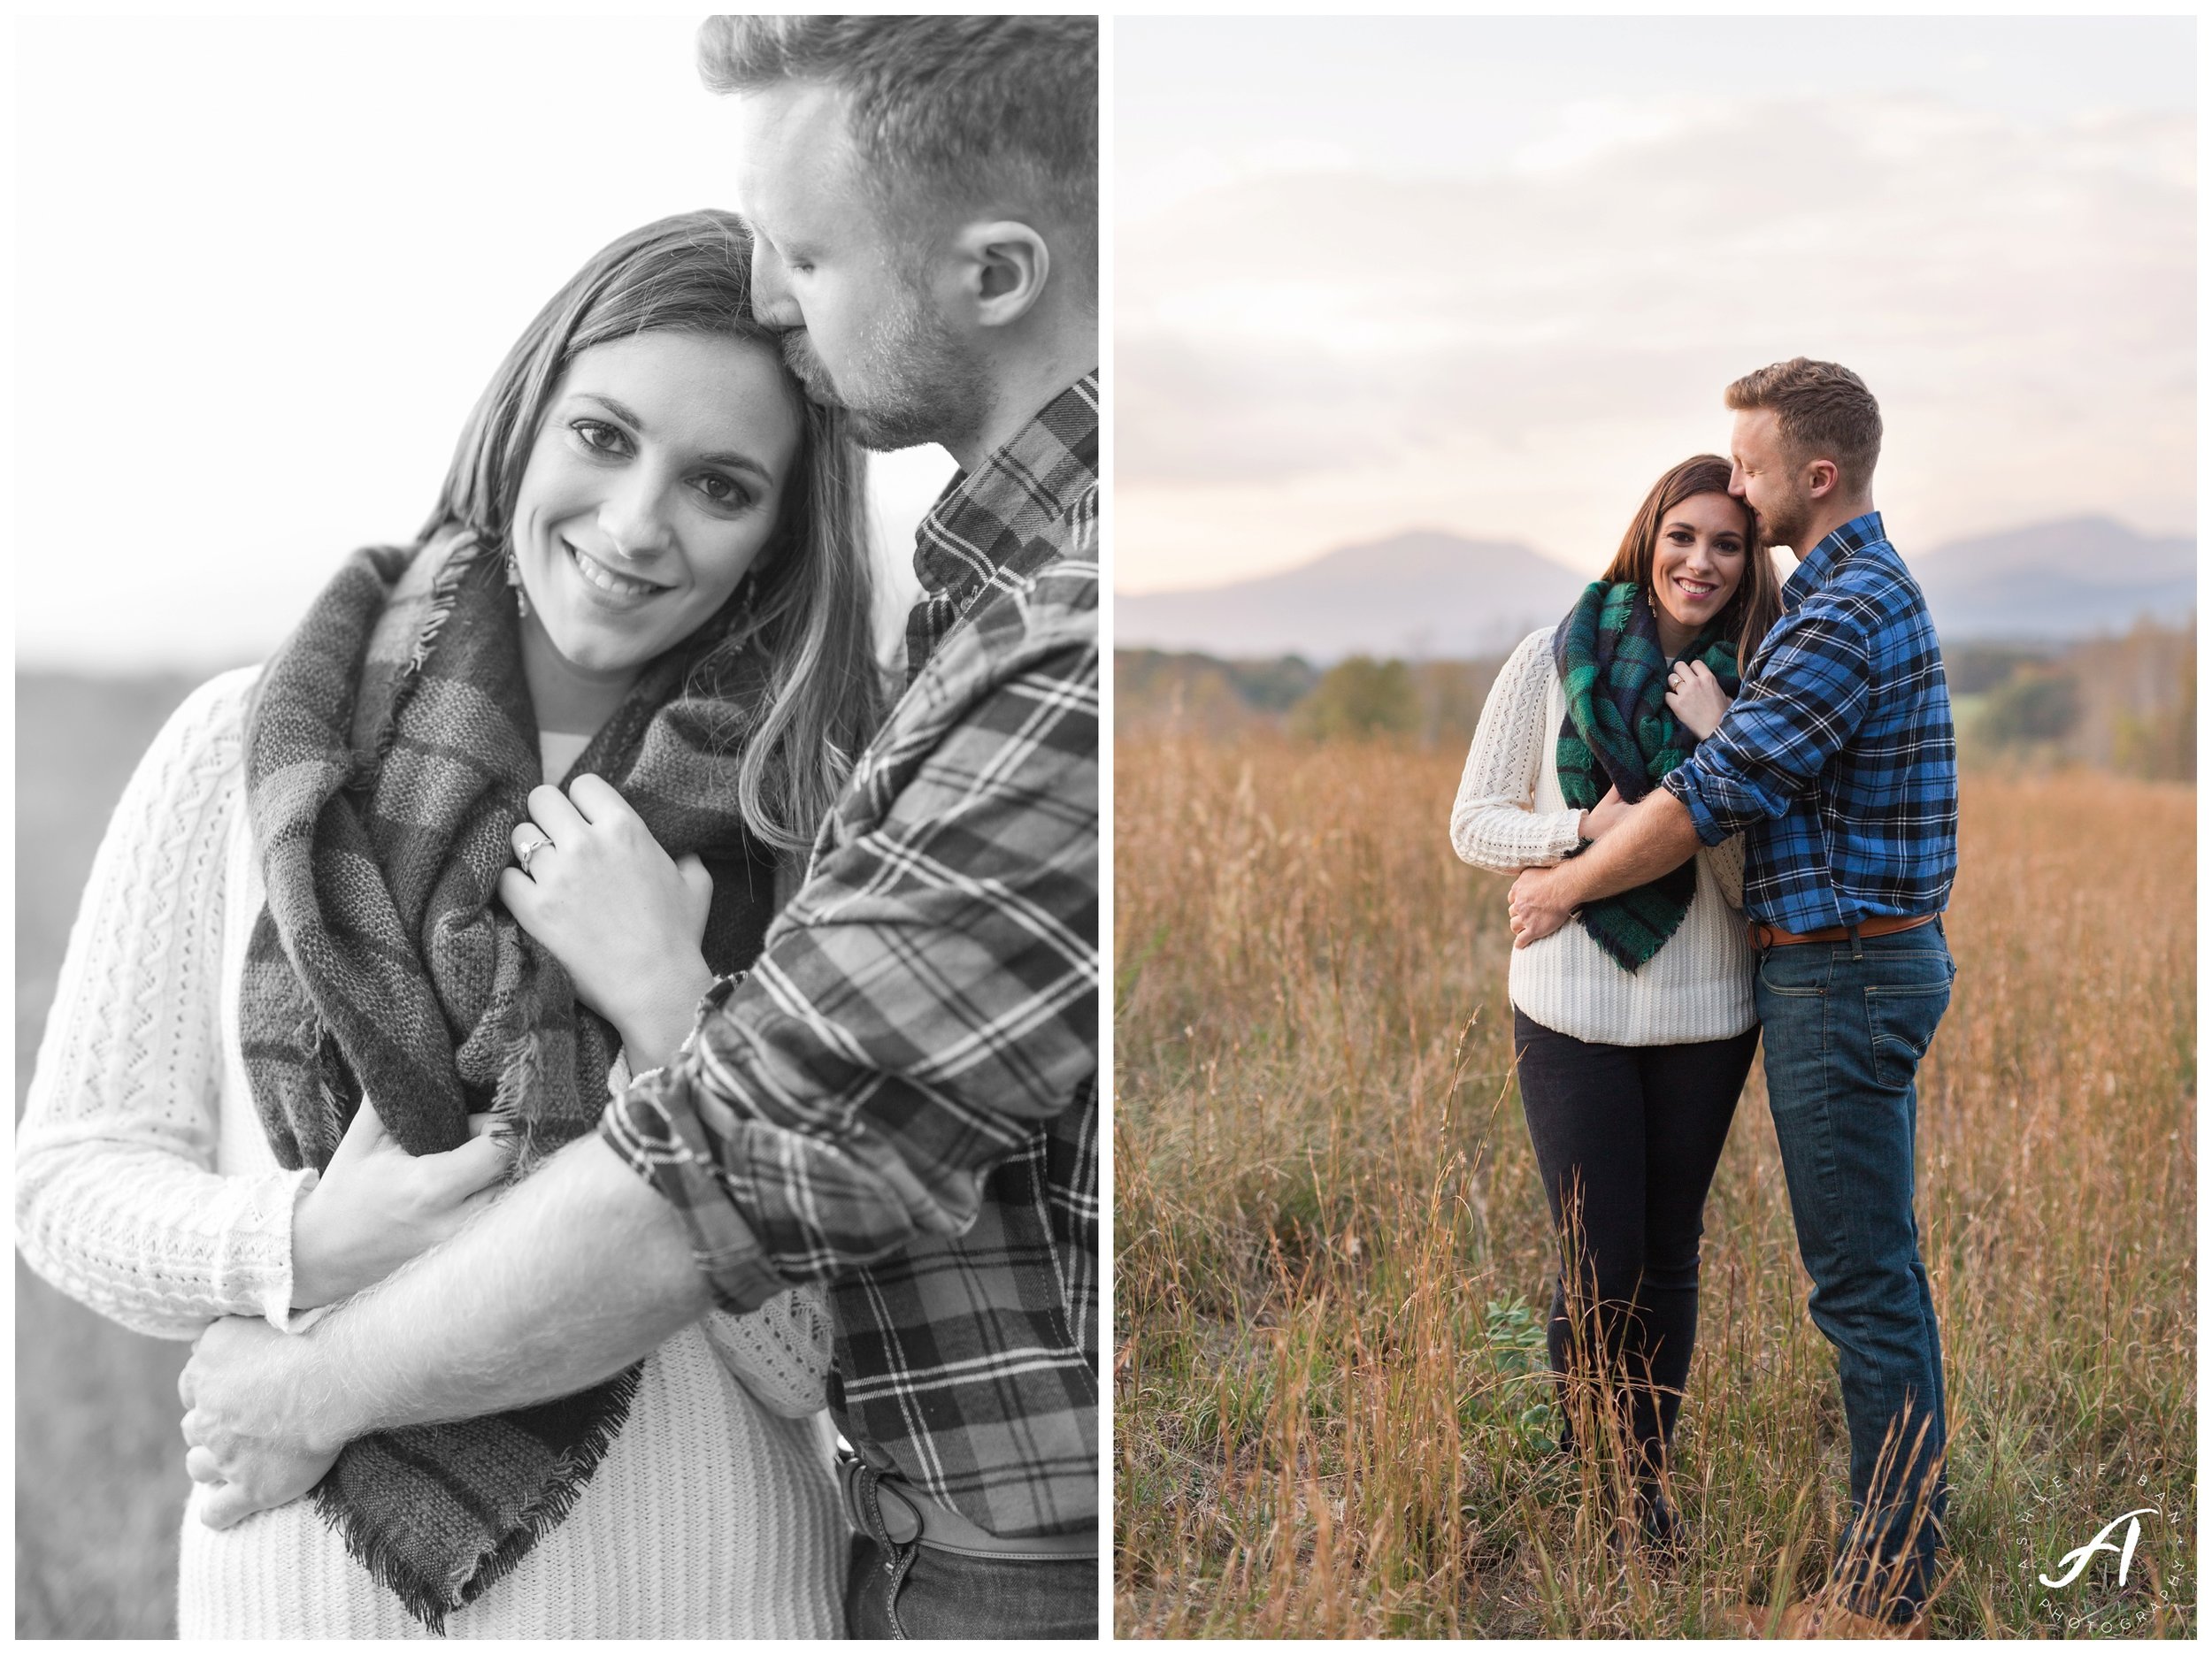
(1333, 1252)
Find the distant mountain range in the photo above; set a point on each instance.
(1430, 594)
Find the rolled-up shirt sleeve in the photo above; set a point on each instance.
(930, 997)
(1793, 715)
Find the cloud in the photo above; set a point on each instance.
(2022, 298)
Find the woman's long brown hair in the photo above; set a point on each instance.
(1757, 600)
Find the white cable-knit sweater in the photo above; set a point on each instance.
(1510, 814)
(146, 1189)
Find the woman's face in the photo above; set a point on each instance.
(655, 480)
(1699, 561)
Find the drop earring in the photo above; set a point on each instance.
(514, 579)
(741, 613)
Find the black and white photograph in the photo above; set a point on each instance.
(1653, 827)
(558, 827)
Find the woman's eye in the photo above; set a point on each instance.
(722, 491)
(598, 437)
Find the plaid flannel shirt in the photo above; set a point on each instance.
(900, 1101)
(1837, 761)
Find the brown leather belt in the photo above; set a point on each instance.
(1766, 936)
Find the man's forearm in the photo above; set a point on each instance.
(1654, 836)
(577, 1273)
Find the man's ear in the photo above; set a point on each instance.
(1007, 264)
(1821, 477)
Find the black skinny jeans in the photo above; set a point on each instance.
(1628, 1137)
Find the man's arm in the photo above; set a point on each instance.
(931, 994)
(1809, 695)
(928, 999)
(1656, 836)
(574, 1275)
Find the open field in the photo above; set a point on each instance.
(99, 1467)
(1333, 1253)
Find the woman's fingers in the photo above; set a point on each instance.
(199, 1465)
(476, 1165)
(595, 799)
(550, 809)
(520, 896)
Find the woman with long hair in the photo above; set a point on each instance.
(299, 1038)
(1632, 1027)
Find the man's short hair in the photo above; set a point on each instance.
(1824, 411)
(961, 110)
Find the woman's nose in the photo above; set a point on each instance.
(635, 519)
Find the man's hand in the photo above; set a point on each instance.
(250, 1418)
(1540, 903)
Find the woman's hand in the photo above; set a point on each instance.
(376, 1205)
(1605, 815)
(623, 919)
(1695, 697)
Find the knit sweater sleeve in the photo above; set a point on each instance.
(1494, 821)
(779, 1351)
(117, 1200)
(1726, 860)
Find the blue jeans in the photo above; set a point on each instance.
(1846, 1027)
(917, 1591)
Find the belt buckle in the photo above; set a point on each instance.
(863, 1488)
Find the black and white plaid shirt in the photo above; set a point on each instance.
(900, 1101)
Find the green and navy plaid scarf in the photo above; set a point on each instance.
(1619, 732)
(391, 749)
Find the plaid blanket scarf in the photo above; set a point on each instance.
(1619, 732)
(389, 752)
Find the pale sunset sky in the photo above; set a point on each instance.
(1491, 274)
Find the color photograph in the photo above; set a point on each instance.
(1654, 827)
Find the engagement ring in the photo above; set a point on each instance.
(526, 852)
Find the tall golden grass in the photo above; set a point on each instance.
(1333, 1257)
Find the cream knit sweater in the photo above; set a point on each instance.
(146, 1189)
(1510, 814)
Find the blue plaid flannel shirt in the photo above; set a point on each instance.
(1836, 762)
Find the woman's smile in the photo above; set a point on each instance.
(1696, 591)
(626, 589)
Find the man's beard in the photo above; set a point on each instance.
(912, 383)
(1784, 526)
